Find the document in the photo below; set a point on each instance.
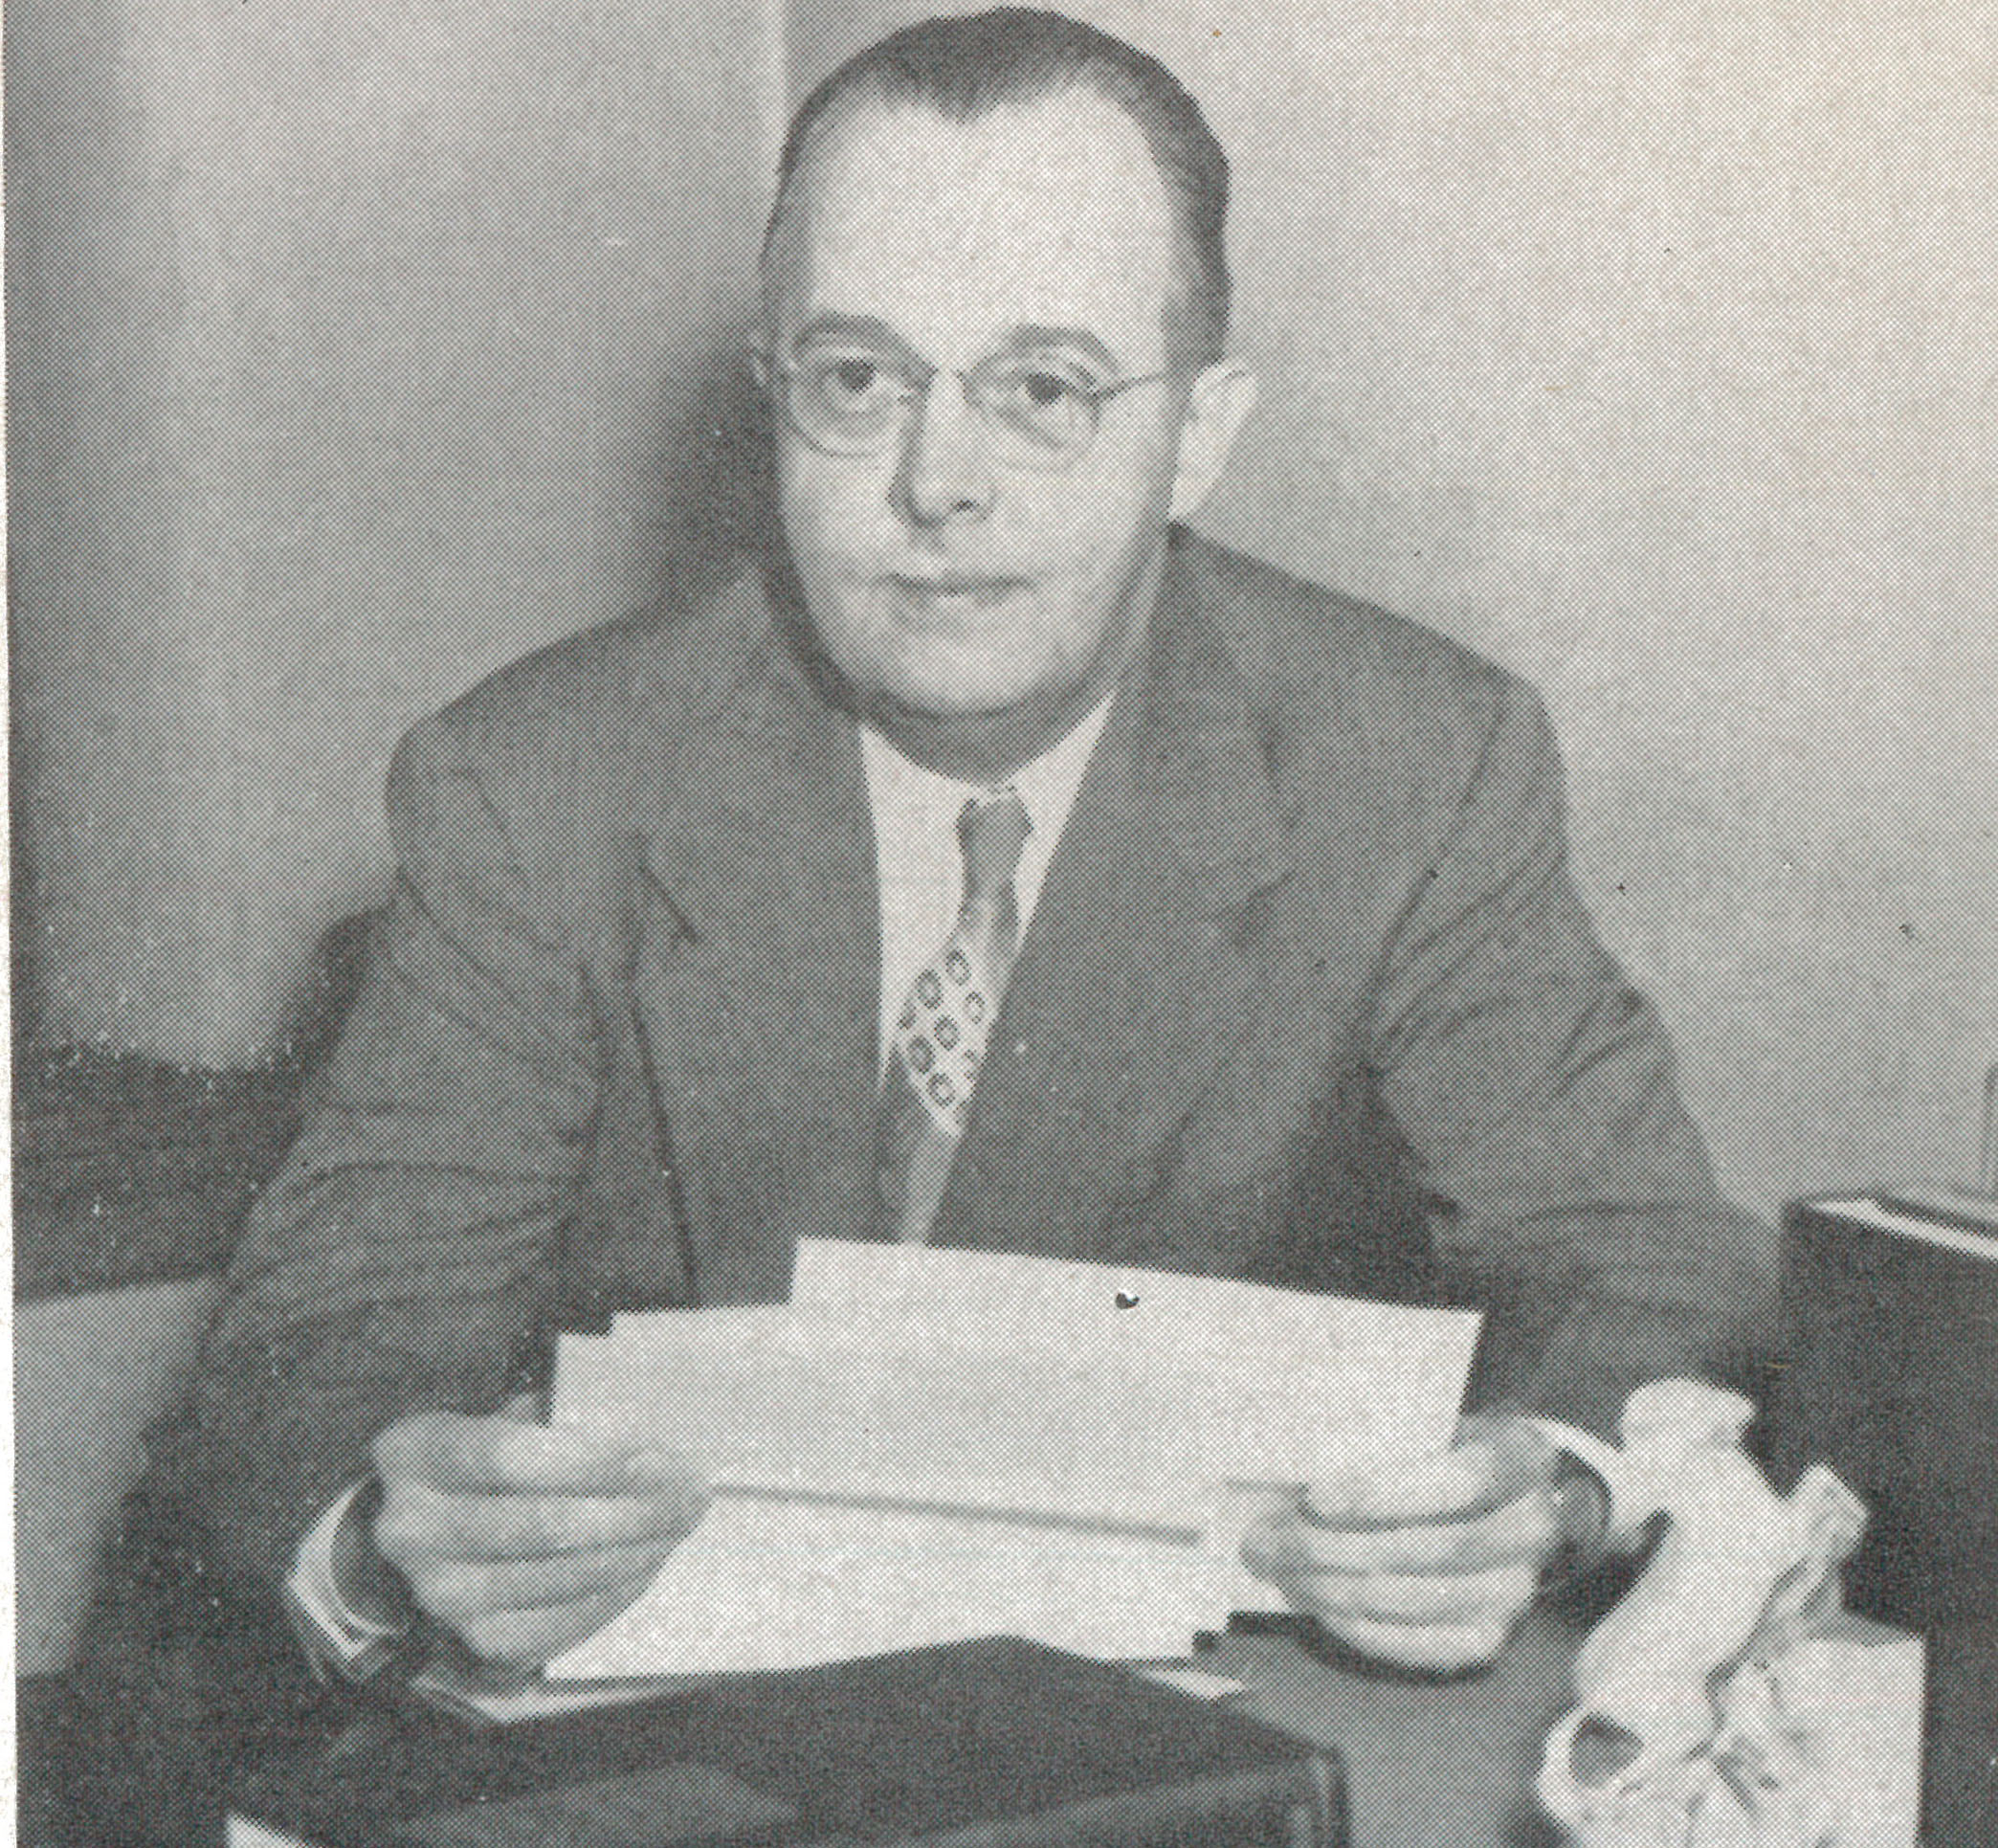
(785, 1583)
(925, 1445)
(1281, 1386)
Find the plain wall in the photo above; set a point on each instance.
(1651, 350)
(355, 349)
(1655, 352)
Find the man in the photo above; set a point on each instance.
(1291, 981)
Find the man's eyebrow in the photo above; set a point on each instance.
(866, 328)
(1031, 337)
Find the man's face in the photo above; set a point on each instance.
(944, 572)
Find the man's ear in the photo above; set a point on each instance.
(1219, 405)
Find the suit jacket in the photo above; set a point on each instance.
(1308, 999)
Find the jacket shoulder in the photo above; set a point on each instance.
(555, 762)
(1279, 626)
(1323, 667)
(643, 676)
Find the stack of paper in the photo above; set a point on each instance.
(925, 1445)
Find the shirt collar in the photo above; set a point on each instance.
(1048, 785)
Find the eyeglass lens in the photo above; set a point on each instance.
(853, 401)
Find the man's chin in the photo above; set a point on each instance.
(978, 734)
(956, 702)
(947, 679)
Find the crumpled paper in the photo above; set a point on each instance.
(1805, 1732)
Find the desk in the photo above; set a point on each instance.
(1429, 1764)
(1450, 1764)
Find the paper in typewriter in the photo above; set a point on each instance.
(925, 1445)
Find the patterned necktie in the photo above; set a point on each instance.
(940, 1040)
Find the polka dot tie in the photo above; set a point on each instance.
(940, 1038)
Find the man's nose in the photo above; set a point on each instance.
(948, 468)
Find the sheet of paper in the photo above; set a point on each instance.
(1289, 1385)
(818, 1406)
(1003, 1297)
(1199, 1377)
(1869, 1702)
(774, 1584)
(1933, 1231)
(867, 1435)
(1196, 1682)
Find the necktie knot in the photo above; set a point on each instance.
(991, 832)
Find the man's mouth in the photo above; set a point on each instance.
(953, 592)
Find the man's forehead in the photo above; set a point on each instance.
(1048, 213)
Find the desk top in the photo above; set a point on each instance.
(1450, 1764)
(1430, 1764)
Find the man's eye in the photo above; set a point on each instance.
(1044, 391)
(848, 382)
(1040, 393)
(855, 377)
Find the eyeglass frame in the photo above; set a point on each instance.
(768, 365)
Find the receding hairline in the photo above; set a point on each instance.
(1180, 330)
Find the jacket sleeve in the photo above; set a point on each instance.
(1575, 1195)
(406, 1255)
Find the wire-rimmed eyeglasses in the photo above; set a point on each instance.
(852, 399)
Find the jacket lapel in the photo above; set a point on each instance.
(757, 975)
(1135, 974)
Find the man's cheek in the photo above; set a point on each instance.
(831, 503)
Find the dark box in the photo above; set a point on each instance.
(997, 1744)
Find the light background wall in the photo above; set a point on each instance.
(1652, 349)
(356, 349)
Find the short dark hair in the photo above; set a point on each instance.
(964, 67)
